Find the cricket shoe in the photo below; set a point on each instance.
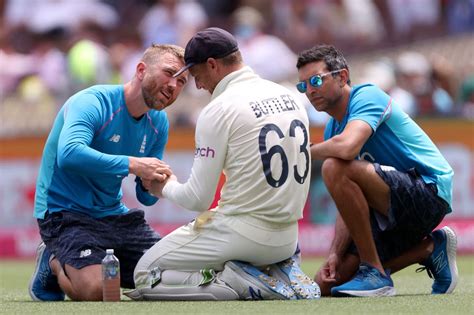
(289, 271)
(441, 265)
(250, 283)
(367, 282)
(43, 284)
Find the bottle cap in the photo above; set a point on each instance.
(109, 251)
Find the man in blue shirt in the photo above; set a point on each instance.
(100, 136)
(390, 183)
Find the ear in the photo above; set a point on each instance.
(212, 63)
(140, 71)
(344, 77)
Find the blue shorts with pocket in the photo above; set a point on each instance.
(415, 211)
(80, 240)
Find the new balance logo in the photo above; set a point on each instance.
(387, 168)
(115, 138)
(439, 262)
(255, 295)
(85, 253)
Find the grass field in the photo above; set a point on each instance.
(412, 298)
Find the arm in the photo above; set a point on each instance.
(211, 149)
(83, 118)
(346, 145)
(339, 245)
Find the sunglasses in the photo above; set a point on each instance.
(315, 81)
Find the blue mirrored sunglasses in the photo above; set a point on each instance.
(315, 81)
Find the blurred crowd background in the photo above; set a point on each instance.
(420, 51)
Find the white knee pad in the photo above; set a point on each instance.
(252, 284)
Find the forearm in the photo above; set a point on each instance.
(342, 238)
(89, 162)
(335, 147)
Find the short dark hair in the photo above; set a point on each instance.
(332, 57)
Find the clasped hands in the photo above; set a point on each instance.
(153, 173)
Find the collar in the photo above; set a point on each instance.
(244, 73)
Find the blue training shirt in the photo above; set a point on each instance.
(396, 140)
(86, 154)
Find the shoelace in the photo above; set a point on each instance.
(421, 269)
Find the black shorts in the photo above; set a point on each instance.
(415, 211)
(80, 240)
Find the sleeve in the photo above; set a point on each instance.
(212, 133)
(81, 121)
(157, 151)
(372, 105)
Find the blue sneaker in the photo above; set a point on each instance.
(367, 282)
(441, 265)
(290, 272)
(43, 284)
(250, 283)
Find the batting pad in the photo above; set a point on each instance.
(215, 291)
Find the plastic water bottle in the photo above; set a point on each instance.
(110, 277)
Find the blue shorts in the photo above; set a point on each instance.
(80, 240)
(415, 211)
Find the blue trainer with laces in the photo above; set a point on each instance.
(43, 284)
(367, 282)
(290, 272)
(441, 265)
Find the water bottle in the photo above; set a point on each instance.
(110, 277)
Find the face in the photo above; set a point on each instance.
(159, 88)
(204, 77)
(328, 94)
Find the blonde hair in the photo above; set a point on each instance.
(155, 51)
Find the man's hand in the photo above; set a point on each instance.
(328, 271)
(156, 188)
(149, 169)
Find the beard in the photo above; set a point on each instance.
(150, 101)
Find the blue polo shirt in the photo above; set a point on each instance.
(86, 154)
(396, 140)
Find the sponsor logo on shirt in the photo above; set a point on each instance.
(205, 152)
(115, 138)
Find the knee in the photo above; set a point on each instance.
(88, 290)
(332, 170)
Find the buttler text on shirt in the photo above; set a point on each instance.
(273, 105)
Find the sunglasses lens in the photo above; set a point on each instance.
(316, 81)
(301, 86)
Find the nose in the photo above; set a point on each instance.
(198, 84)
(172, 83)
(311, 90)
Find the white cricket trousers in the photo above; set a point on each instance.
(196, 246)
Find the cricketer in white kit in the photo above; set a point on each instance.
(255, 132)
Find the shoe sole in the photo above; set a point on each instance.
(39, 254)
(451, 245)
(385, 291)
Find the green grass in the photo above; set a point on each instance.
(412, 297)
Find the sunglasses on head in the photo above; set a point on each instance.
(315, 81)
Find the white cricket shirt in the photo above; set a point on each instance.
(257, 133)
